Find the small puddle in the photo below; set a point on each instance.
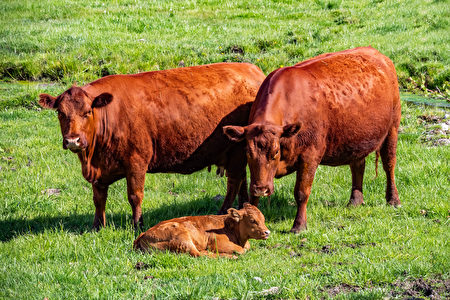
(421, 100)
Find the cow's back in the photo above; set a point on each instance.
(347, 100)
(171, 117)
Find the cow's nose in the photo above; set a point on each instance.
(267, 232)
(72, 143)
(261, 191)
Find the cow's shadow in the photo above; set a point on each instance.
(275, 209)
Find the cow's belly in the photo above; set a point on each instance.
(350, 150)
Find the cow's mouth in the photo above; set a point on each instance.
(76, 150)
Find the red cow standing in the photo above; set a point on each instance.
(123, 126)
(334, 110)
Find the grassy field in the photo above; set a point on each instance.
(82, 40)
(47, 249)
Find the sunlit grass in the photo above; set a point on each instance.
(48, 249)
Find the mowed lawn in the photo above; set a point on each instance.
(48, 249)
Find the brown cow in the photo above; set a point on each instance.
(224, 235)
(123, 126)
(334, 110)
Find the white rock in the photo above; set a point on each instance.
(259, 279)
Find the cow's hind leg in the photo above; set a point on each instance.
(388, 157)
(135, 189)
(100, 194)
(357, 168)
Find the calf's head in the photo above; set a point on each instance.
(263, 152)
(76, 115)
(250, 222)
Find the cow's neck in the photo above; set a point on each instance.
(100, 137)
(233, 233)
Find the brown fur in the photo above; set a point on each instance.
(122, 126)
(334, 110)
(224, 235)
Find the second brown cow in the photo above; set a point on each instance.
(333, 109)
(123, 126)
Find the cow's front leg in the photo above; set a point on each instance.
(100, 194)
(135, 189)
(305, 177)
(233, 186)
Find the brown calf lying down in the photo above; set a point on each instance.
(224, 235)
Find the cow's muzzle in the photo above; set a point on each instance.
(266, 234)
(74, 144)
(260, 191)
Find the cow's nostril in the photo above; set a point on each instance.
(267, 232)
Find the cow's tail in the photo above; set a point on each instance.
(377, 156)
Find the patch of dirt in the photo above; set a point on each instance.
(295, 254)
(141, 266)
(342, 288)
(437, 131)
(435, 288)
(359, 245)
(327, 249)
(236, 49)
(51, 192)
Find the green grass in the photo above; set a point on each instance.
(83, 40)
(48, 250)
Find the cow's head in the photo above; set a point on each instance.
(76, 115)
(263, 152)
(251, 222)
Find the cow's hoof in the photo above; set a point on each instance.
(355, 202)
(298, 229)
(356, 199)
(394, 203)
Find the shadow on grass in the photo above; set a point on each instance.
(279, 209)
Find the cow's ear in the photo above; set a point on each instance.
(102, 100)
(234, 214)
(234, 133)
(291, 130)
(47, 101)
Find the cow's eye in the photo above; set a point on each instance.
(276, 154)
(88, 114)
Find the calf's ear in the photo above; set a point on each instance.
(234, 133)
(291, 130)
(102, 100)
(47, 101)
(234, 214)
